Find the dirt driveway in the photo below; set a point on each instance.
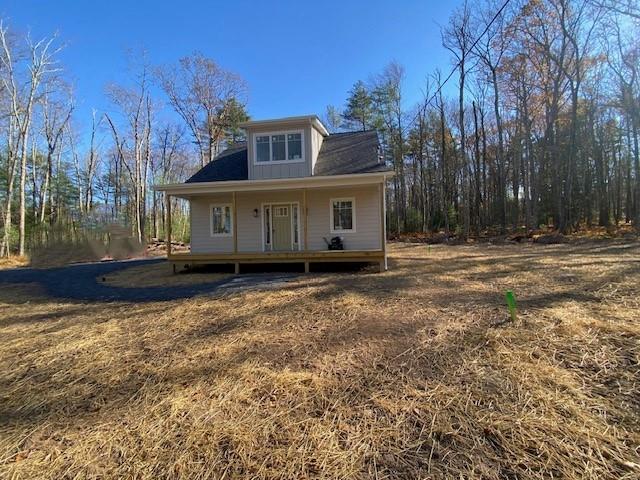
(85, 282)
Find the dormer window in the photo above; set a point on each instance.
(279, 147)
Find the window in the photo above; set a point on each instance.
(267, 225)
(262, 149)
(294, 146)
(280, 211)
(342, 215)
(279, 147)
(295, 224)
(221, 222)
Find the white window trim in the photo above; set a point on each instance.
(353, 214)
(211, 206)
(263, 220)
(286, 147)
(263, 205)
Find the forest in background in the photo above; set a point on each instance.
(542, 130)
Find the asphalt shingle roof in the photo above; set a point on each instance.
(229, 165)
(351, 152)
(340, 154)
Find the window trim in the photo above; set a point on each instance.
(353, 214)
(286, 147)
(232, 226)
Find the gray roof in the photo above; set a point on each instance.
(340, 154)
(350, 152)
(229, 165)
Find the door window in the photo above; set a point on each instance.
(281, 211)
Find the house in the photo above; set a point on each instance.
(282, 195)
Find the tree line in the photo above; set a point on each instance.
(62, 177)
(541, 127)
(536, 123)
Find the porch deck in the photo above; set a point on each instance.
(304, 256)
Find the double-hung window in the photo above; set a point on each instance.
(221, 220)
(279, 147)
(343, 215)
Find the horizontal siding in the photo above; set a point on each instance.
(250, 228)
(368, 222)
(367, 212)
(201, 239)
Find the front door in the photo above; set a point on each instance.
(281, 227)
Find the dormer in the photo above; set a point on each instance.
(284, 147)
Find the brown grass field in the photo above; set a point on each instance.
(157, 275)
(413, 373)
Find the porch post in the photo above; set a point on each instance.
(235, 224)
(167, 223)
(304, 209)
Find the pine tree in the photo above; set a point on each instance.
(359, 111)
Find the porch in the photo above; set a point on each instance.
(302, 257)
(282, 221)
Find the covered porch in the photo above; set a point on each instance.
(251, 210)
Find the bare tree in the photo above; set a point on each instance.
(332, 119)
(132, 140)
(456, 38)
(10, 91)
(169, 164)
(56, 114)
(490, 50)
(386, 96)
(207, 98)
(24, 91)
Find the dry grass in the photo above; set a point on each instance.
(158, 275)
(13, 262)
(412, 373)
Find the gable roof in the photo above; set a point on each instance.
(340, 154)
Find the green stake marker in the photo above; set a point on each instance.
(429, 249)
(511, 304)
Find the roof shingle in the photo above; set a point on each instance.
(229, 165)
(340, 154)
(350, 152)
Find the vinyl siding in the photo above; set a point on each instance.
(367, 213)
(249, 227)
(367, 216)
(201, 239)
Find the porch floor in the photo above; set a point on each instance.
(304, 256)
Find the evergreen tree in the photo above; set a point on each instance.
(359, 111)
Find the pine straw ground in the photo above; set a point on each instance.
(158, 275)
(414, 373)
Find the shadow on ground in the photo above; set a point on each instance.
(81, 282)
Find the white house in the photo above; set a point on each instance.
(282, 195)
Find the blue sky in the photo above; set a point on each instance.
(296, 57)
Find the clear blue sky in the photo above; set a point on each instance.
(296, 56)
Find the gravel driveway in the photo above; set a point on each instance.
(80, 282)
